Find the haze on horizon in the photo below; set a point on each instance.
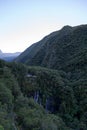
(24, 22)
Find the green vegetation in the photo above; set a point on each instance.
(1, 127)
(53, 97)
(36, 98)
(24, 92)
(58, 50)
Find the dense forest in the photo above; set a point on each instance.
(36, 98)
(45, 88)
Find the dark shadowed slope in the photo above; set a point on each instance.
(58, 49)
(34, 49)
(33, 97)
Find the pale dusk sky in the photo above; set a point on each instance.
(24, 22)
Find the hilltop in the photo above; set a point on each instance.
(59, 49)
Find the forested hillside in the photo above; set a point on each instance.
(58, 50)
(48, 90)
(36, 98)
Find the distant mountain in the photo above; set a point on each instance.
(59, 49)
(0, 51)
(9, 56)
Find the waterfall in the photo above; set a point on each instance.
(36, 96)
(49, 104)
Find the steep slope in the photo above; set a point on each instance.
(32, 51)
(58, 49)
(25, 104)
(63, 89)
(39, 98)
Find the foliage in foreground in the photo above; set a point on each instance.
(35, 98)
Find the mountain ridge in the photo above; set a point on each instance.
(41, 41)
(56, 48)
(43, 98)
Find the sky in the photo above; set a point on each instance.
(24, 22)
